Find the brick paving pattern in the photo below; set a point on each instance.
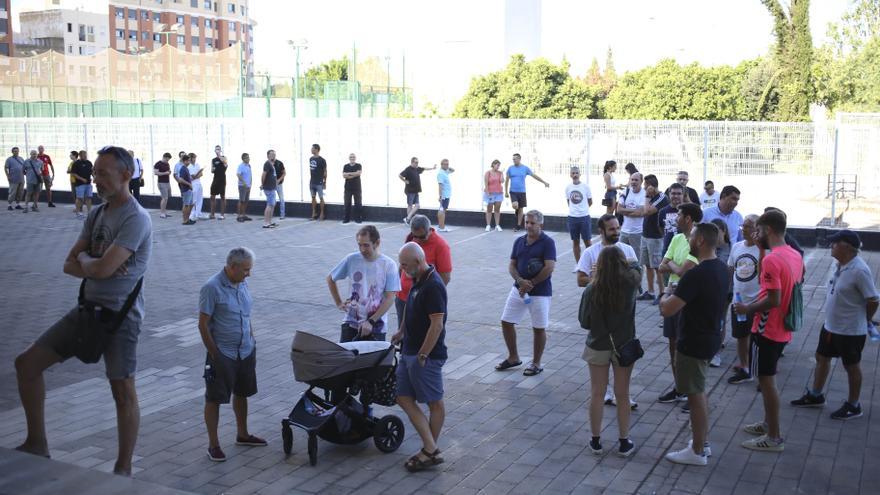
(504, 433)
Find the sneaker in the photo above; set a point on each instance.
(240, 219)
(687, 456)
(645, 296)
(251, 441)
(764, 444)
(686, 408)
(609, 398)
(247, 218)
(51, 205)
(739, 376)
(596, 446)
(809, 400)
(190, 222)
(758, 428)
(405, 220)
(517, 228)
(497, 228)
(671, 396)
(626, 448)
(444, 229)
(488, 228)
(17, 207)
(222, 217)
(216, 454)
(269, 226)
(847, 411)
(715, 361)
(707, 449)
(346, 222)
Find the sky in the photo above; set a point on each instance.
(446, 43)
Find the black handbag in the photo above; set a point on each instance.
(628, 353)
(96, 325)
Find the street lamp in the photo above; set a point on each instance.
(136, 51)
(297, 45)
(168, 30)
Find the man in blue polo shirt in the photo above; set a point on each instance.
(515, 187)
(726, 210)
(230, 367)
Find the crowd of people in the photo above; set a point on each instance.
(703, 263)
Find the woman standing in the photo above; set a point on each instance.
(493, 195)
(611, 299)
(610, 199)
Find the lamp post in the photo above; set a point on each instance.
(136, 51)
(168, 30)
(297, 45)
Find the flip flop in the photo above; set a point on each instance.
(506, 365)
(532, 370)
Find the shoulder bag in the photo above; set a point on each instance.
(628, 353)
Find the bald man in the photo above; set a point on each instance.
(419, 372)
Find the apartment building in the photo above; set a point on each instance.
(72, 32)
(6, 45)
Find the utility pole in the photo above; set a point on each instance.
(297, 45)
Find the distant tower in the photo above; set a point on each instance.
(522, 28)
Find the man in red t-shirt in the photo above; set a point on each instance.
(781, 268)
(437, 253)
(48, 173)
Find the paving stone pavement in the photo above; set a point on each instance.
(504, 433)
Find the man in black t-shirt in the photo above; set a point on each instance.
(218, 183)
(411, 177)
(82, 173)
(317, 180)
(651, 247)
(668, 216)
(690, 194)
(701, 296)
(351, 172)
(278, 185)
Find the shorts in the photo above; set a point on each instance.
(120, 358)
(633, 240)
(690, 374)
(651, 252)
(244, 193)
(847, 347)
(610, 196)
(231, 376)
(317, 189)
(424, 383)
(515, 309)
(492, 198)
(47, 179)
(412, 199)
(579, 227)
(739, 329)
(187, 198)
(164, 190)
(84, 191)
(519, 198)
(218, 189)
(270, 197)
(670, 326)
(33, 188)
(444, 204)
(764, 355)
(594, 357)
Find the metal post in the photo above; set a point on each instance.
(27, 145)
(388, 87)
(482, 150)
(52, 84)
(834, 177)
(268, 95)
(302, 191)
(152, 157)
(171, 73)
(387, 165)
(705, 154)
(296, 83)
(586, 171)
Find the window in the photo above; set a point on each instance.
(216, 6)
(195, 41)
(231, 8)
(69, 48)
(133, 35)
(243, 10)
(69, 27)
(157, 17)
(194, 21)
(208, 24)
(120, 14)
(132, 14)
(194, 4)
(120, 34)
(82, 32)
(181, 40)
(208, 4)
(209, 42)
(81, 51)
(145, 15)
(180, 19)
(145, 35)
(232, 26)
(157, 37)
(4, 49)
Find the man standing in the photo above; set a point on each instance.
(269, 184)
(668, 216)
(420, 370)
(33, 169)
(629, 205)
(278, 174)
(532, 261)
(196, 171)
(850, 304)
(48, 173)
(231, 362)
(351, 172)
(73, 156)
(245, 181)
(445, 191)
(14, 168)
(136, 182)
(82, 172)
(690, 194)
(579, 199)
(781, 268)
(677, 261)
(709, 196)
(437, 254)
(184, 180)
(609, 231)
(651, 249)
(744, 260)
(515, 187)
(162, 170)
(317, 180)
(111, 257)
(373, 283)
(726, 210)
(218, 182)
(701, 297)
(411, 176)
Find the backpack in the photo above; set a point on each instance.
(794, 317)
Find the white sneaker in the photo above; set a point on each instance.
(406, 220)
(222, 217)
(497, 228)
(444, 229)
(715, 361)
(687, 456)
(707, 449)
(609, 397)
(488, 229)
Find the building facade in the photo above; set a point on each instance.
(72, 32)
(6, 44)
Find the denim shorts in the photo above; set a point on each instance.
(84, 191)
(424, 383)
(270, 197)
(491, 198)
(317, 190)
(187, 198)
(412, 199)
(579, 227)
(444, 204)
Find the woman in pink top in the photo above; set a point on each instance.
(493, 195)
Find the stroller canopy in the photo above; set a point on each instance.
(316, 357)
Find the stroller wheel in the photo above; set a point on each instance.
(388, 433)
(287, 436)
(313, 449)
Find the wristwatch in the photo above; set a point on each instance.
(372, 321)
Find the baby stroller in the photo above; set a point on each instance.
(343, 371)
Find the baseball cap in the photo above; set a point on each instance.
(847, 236)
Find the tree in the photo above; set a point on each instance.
(594, 74)
(333, 70)
(858, 26)
(794, 56)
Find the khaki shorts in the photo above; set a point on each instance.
(690, 374)
(599, 358)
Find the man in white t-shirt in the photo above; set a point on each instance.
(579, 199)
(629, 203)
(373, 284)
(709, 197)
(744, 261)
(609, 231)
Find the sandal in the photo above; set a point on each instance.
(506, 365)
(415, 463)
(532, 370)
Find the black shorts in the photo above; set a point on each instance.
(218, 189)
(847, 347)
(670, 326)
(519, 198)
(739, 329)
(765, 355)
(231, 376)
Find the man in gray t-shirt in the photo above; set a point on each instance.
(850, 305)
(14, 168)
(111, 255)
(33, 171)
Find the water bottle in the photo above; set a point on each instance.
(738, 298)
(873, 333)
(527, 298)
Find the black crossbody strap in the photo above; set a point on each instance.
(129, 302)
